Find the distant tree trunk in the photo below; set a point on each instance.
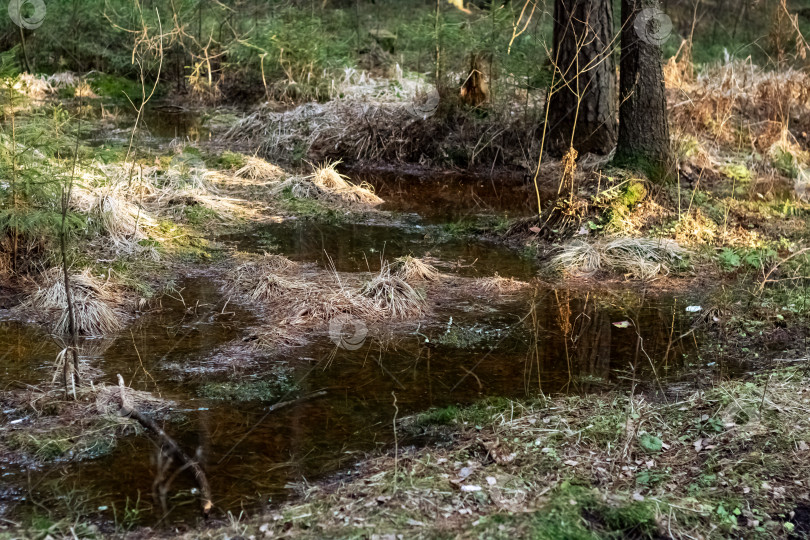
(475, 88)
(582, 105)
(643, 124)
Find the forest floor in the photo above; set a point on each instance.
(726, 455)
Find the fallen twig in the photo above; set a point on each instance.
(174, 449)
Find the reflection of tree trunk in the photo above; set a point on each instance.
(593, 344)
(171, 448)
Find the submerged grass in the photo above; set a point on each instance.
(274, 385)
(86, 428)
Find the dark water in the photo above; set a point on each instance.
(452, 197)
(359, 248)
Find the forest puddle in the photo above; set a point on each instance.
(196, 351)
(192, 352)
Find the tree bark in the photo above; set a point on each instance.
(643, 124)
(582, 104)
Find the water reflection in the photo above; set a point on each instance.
(360, 247)
(452, 197)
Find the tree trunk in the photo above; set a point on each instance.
(643, 124)
(475, 89)
(582, 104)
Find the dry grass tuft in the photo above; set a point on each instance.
(32, 86)
(393, 296)
(123, 220)
(326, 305)
(256, 168)
(92, 301)
(271, 287)
(413, 269)
(328, 179)
(642, 258)
(500, 284)
(259, 280)
(328, 185)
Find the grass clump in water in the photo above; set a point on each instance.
(393, 296)
(93, 302)
(413, 269)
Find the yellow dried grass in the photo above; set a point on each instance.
(413, 269)
(92, 303)
(642, 258)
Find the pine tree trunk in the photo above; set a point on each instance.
(582, 106)
(643, 124)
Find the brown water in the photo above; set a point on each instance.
(538, 340)
(360, 247)
(452, 197)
